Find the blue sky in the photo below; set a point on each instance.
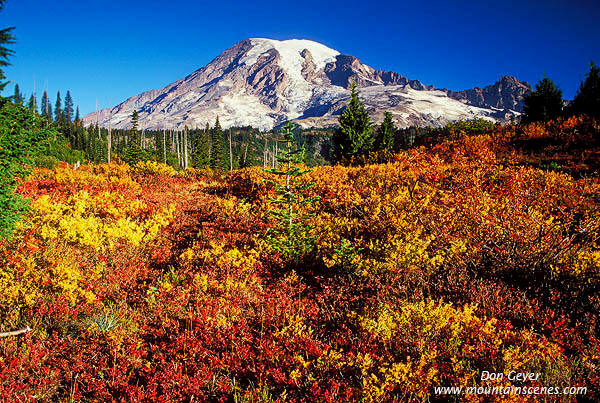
(115, 49)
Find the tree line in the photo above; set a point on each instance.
(356, 138)
(208, 147)
(546, 102)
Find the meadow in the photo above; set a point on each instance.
(429, 266)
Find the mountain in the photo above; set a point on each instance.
(508, 93)
(264, 82)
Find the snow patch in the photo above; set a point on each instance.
(299, 91)
(291, 59)
(244, 110)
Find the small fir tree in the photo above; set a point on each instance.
(291, 234)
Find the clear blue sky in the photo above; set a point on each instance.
(111, 50)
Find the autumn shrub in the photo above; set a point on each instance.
(428, 268)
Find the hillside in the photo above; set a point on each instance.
(428, 269)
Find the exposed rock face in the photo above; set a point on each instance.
(263, 83)
(507, 93)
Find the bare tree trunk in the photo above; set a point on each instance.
(265, 152)
(46, 107)
(185, 144)
(165, 146)
(230, 155)
(15, 332)
(109, 139)
(33, 96)
(97, 120)
(109, 142)
(178, 147)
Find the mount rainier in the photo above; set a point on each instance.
(264, 82)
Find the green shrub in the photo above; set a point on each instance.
(46, 161)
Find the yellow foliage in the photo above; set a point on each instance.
(98, 176)
(54, 269)
(98, 222)
(427, 330)
(154, 168)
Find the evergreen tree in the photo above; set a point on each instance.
(202, 149)
(49, 113)
(18, 97)
(58, 109)
(21, 138)
(68, 112)
(77, 118)
(384, 138)
(218, 157)
(543, 104)
(158, 146)
(208, 132)
(135, 116)
(44, 106)
(6, 38)
(354, 136)
(587, 100)
(32, 104)
(134, 152)
(291, 235)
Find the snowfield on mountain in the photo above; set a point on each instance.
(264, 83)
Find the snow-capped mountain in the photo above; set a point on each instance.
(264, 82)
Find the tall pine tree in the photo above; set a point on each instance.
(386, 131)
(58, 109)
(18, 97)
(68, 112)
(134, 152)
(32, 104)
(587, 100)
(219, 156)
(44, 106)
(354, 137)
(202, 149)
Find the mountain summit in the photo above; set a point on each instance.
(264, 82)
